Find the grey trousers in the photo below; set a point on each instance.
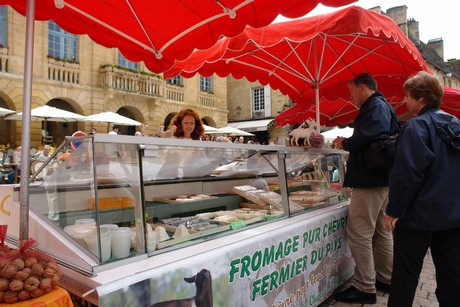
(370, 244)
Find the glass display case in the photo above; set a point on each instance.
(112, 198)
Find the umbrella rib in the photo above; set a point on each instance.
(157, 53)
(339, 57)
(369, 51)
(227, 12)
(153, 50)
(264, 69)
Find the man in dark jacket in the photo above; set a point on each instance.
(424, 206)
(371, 246)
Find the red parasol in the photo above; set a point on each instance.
(343, 112)
(313, 58)
(158, 32)
(451, 101)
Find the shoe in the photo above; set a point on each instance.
(382, 286)
(355, 296)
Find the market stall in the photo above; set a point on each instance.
(128, 218)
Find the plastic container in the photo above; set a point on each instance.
(92, 242)
(121, 242)
(78, 232)
(86, 222)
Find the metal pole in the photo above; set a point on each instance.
(26, 107)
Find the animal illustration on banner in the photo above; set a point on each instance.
(302, 132)
(203, 296)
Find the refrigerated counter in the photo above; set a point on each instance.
(128, 218)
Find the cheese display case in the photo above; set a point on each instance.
(120, 212)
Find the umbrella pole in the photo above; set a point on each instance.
(25, 143)
(318, 123)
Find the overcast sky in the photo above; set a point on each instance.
(436, 19)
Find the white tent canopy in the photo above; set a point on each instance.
(47, 113)
(234, 131)
(332, 134)
(4, 111)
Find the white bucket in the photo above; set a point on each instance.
(78, 232)
(86, 222)
(121, 242)
(106, 243)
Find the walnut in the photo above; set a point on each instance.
(22, 275)
(36, 293)
(43, 263)
(53, 266)
(3, 262)
(19, 263)
(31, 284)
(37, 269)
(10, 297)
(27, 270)
(23, 295)
(16, 285)
(55, 280)
(4, 284)
(9, 271)
(2, 294)
(45, 283)
(30, 261)
(49, 272)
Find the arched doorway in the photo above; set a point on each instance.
(57, 131)
(127, 130)
(6, 130)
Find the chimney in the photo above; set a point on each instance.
(437, 44)
(413, 31)
(399, 15)
(377, 9)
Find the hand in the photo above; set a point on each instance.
(337, 143)
(316, 139)
(389, 222)
(168, 133)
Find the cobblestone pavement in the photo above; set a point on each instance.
(424, 297)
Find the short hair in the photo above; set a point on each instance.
(426, 86)
(365, 78)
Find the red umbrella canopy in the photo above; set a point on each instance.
(451, 101)
(158, 32)
(343, 112)
(315, 55)
(331, 113)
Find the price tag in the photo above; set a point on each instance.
(271, 217)
(237, 224)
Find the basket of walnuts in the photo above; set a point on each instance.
(26, 273)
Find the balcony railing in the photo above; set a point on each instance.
(130, 81)
(64, 71)
(174, 92)
(207, 99)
